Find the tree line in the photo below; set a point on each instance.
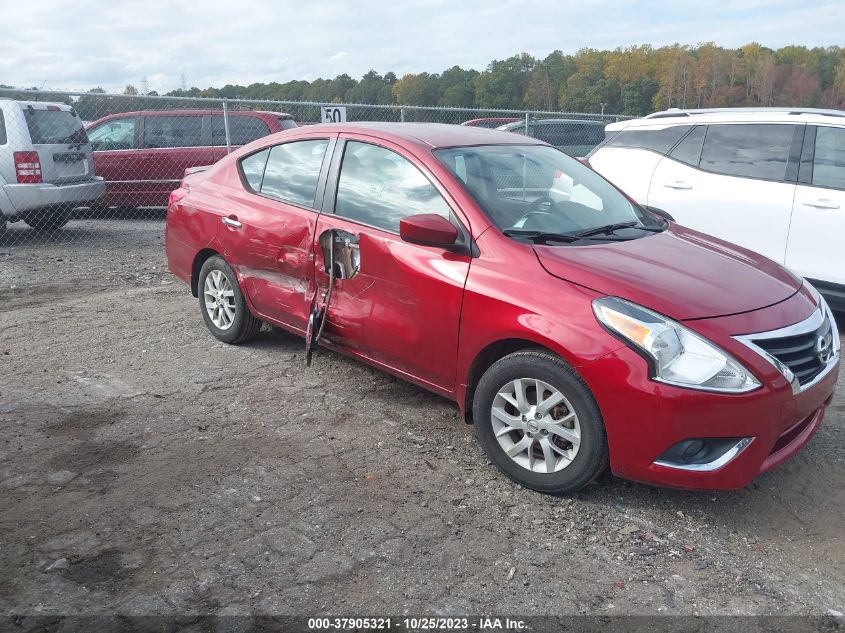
(634, 81)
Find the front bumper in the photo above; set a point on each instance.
(644, 418)
(27, 197)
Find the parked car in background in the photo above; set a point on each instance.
(573, 136)
(143, 155)
(770, 179)
(46, 168)
(571, 325)
(491, 122)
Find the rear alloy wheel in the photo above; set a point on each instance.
(538, 422)
(47, 220)
(222, 303)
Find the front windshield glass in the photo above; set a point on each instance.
(535, 188)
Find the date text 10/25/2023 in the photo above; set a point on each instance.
(480, 624)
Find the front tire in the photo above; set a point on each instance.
(222, 303)
(539, 423)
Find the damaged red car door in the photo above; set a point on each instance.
(268, 233)
(401, 307)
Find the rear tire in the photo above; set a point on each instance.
(539, 423)
(48, 220)
(222, 303)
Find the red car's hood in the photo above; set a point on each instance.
(681, 273)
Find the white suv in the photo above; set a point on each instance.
(46, 167)
(770, 179)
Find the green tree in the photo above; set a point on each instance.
(637, 96)
(421, 89)
(504, 82)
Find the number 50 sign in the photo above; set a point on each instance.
(334, 114)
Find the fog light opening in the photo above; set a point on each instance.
(703, 454)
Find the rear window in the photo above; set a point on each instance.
(2, 129)
(54, 127)
(253, 168)
(173, 131)
(829, 160)
(660, 141)
(242, 129)
(291, 172)
(287, 123)
(750, 151)
(688, 151)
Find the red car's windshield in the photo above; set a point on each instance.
(525, 188)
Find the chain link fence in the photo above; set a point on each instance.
(96, 169)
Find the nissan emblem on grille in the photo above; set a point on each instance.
(823, 347)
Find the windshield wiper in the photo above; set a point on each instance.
(610, 228)
(545, 236)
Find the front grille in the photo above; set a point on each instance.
(801, 352)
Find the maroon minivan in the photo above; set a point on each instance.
(143, 155)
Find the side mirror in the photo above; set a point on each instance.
(428, 229)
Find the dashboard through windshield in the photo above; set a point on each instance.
(538, 192)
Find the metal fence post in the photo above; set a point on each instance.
(527, 115)
(226, 127)
(402, 114)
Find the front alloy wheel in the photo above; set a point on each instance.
(539, 423)
(536, 425)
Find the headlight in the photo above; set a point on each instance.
(679, 355)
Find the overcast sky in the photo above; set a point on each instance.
(82, 44)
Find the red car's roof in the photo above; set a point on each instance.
(431, 134)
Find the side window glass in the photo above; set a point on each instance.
(252, 168)
(3, 138)
(660, 141)
(550, 134)
(243, 129)
(829, 159)
(461, 168)
(688, 151)
(751, 151)
(173, 131)
(114, 134)
(293, 171)
(378, 187)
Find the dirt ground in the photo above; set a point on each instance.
(146, 468)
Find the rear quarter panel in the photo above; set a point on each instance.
(191, 227)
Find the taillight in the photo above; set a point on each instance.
(27, 167)
(176, 195)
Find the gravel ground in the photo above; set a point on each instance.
(146, 468)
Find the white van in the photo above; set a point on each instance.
(46, 168)
(770, 179)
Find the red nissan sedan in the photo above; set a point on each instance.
(574, 328)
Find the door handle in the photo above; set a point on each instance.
(822, 203)
(231, 221)
(678, 184)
